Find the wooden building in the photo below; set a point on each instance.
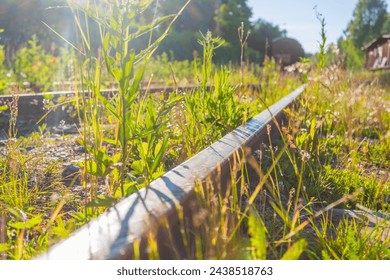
(378, 53)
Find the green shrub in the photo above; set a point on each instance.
(34, 66)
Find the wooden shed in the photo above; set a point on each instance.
(378, 53)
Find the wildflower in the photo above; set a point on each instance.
(34, 102)
(46, 103)
(305, 156)
(62, 124)
(257, 154)
(290, 197)
(268, 129)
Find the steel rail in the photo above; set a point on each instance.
(114, 233)
(31, 107)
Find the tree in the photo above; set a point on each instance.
(184, 34)
(22, 19)
(198, 15)
(368, 19)
(221, 17)
(353, 56)
(230, 16)
(386, 25)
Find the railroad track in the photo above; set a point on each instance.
(128, 224)
(34, 109)
(158, 209)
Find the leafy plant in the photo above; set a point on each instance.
(3, 71)
(133, 131)
(355, 241)
(34, 66)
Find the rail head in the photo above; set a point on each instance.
(111, 234)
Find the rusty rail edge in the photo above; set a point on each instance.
(114, 232)
(31, 107)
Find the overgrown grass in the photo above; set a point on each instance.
(333, 152)
(325, 160)
(131, 138)
(332, 155)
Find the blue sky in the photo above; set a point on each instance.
(299, 19)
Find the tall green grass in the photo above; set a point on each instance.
(130, 138)
(333, 151)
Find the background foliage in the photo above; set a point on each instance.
(370, 20)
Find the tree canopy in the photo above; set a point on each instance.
(368, 19)
(221, 17)
(23, 19)
(184, 34)
(232, 14)
(386, 25)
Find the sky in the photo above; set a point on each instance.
(299, 18)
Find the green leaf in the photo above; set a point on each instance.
(143, 149)
(106, 47)
(117, 73)
(313, 128)
(34, 221)
(102, 157)
(108, 105)
(95, 169)
(137, 167)
(19, 214)
(79, 216)
(48, 96)
(295, 250)
(280, 212)
(4, 247)
(63, 229)
(129, 63)
(116, 158)
(61, 98)
(3, 108)
(110, 141)
(159, 152)
(110, 62)
(130, 188)
(136, 82)
(102, 201)
(157, 174)
(257, 232)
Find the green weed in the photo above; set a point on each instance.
(33, 65)
(355, 241)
